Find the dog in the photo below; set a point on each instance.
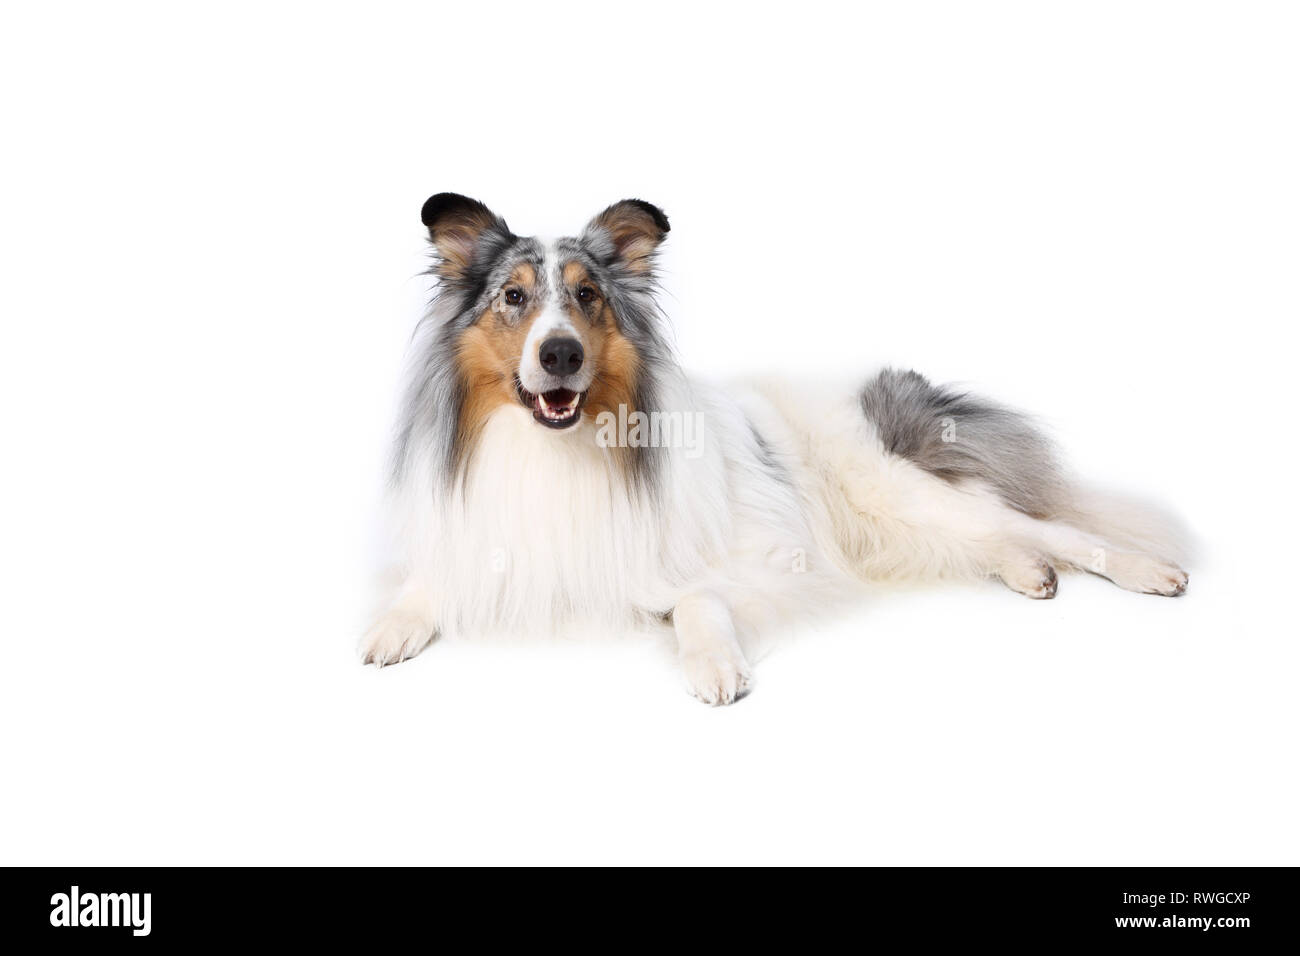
(554, 467)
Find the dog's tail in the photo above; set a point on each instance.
(958, 437)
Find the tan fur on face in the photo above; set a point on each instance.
(617, 366)
(488, 355)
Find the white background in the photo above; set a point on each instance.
(210, 254)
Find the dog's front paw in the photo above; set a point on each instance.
(716, 677)
(397, 636)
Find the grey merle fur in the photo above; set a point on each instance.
(991, 444)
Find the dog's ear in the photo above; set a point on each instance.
(461, 228)
(627, 234)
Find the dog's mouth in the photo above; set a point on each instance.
(558, 408)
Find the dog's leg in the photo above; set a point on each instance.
(1131, 570)
(918, 526)
(711, 659)
(998, 458)
(1028, 548)
(404, 630)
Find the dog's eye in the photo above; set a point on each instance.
(514, 296)
(586, 294)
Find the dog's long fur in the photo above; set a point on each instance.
(516, 517)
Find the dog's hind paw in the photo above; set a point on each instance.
(1145, 574)
(716, 677)
(1031, 577)
(397, 636)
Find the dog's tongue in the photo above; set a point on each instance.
(559, 397)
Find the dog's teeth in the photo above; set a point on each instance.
(556, 413)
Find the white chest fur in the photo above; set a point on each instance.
(542, 534)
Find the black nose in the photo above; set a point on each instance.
(561, 356)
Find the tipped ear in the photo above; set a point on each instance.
(628, 232)
(460, 227)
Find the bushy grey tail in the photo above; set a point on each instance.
(959, 437)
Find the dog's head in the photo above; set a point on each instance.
(558, 326)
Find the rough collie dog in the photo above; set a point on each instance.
(555, 467)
